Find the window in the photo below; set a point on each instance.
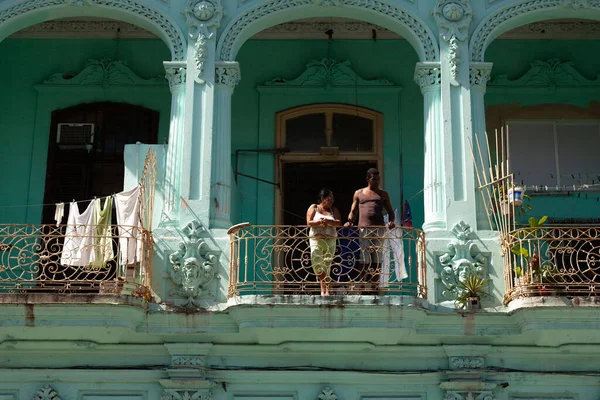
(554, 153)
(329, 129)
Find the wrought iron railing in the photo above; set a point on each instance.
(552, 261)
(268, 260)
(101, 259)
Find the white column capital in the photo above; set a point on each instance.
(175, 73)
(428, 75)
(227, 73)
(479, 74)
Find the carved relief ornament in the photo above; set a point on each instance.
(428, 48)
(227, 73)
(453, 18)
(479, 74)
(175, 72)
(471, 395)
(482, 33)
(46, 393)
(170, 30)
(203, 18)
(428, 75)
(466, 362)
(194, 265)
(462, 259)
(173, 394)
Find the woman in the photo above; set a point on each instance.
(322, 218)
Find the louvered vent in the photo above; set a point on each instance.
(75, 136)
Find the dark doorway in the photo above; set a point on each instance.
(80, 173)
(302, 182)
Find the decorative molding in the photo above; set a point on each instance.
(462, 259)
(468, 395)
(453, 18)
(227, 73)
(479, 74)
(315, 28)
(193, 265)
(175, 73)
(327, 3)
(77, 28)
(466, 362)
(453, 59)
(174, 394)
(550, 74)
(106, 73)
(492, 22)
(203, 18)
(46, 393)
(188, 361)
(329, 73)
(171, 32)
(428, 75)
(327, 394)
(428, 48)
(564, 30)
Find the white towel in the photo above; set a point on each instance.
(59, 213)
(128, 218)
(79, 237)
(393, 241)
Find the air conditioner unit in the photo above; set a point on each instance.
(75, 136)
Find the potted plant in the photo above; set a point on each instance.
(472, 289)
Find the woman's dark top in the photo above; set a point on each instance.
(370, 210)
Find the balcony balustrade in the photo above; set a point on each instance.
(271, 260)
(48, 259)
(552, 261)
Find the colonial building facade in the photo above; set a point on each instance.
(483, 116)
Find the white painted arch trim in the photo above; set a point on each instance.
(526, 12)
(386, 15)
(19, 15)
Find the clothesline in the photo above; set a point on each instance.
(53, 204)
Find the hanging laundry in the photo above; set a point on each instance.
(127, 206)
(393, 242)
(406, 215)
(59, 213)
(79, 236)
(103, 245)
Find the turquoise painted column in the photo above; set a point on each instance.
(175, 73)
(479, 75)
(427, 76)
(227, 76)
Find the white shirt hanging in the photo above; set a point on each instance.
(127, 206)
(59, 213)
(78, 248)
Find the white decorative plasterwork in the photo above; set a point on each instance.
(327, 3)
(453, 58)
(315, 28)
(174, 394)
(194, 265)
(453, 18)
(428, 75)
(428, 48)
(482, 34)
(203, 18)
(479, 74)
(188, 361)
(327, 394)
(468, 395)
(227, 73)
(175, 72)
(466, 362)
(106, 73)
(170, 31)
(68, 28)
(46, 393)
(328, 72)
(462, 259)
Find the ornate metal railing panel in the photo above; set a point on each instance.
(48, 258)
(552, 261)
(268, 260)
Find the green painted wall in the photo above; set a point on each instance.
(31, 62)
(262, 60)
(585, 55)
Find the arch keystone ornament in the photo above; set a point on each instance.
(46, 393)
(193, 265)
(327, 394)
(492, 24)
(203, 18)
(174, 394)
(169, 31)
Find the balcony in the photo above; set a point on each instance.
(552, 261)
(276, 260)
(43, 259)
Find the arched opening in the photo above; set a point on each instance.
(65, 63)
(319, 68)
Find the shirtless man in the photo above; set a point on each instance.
(370, 202)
